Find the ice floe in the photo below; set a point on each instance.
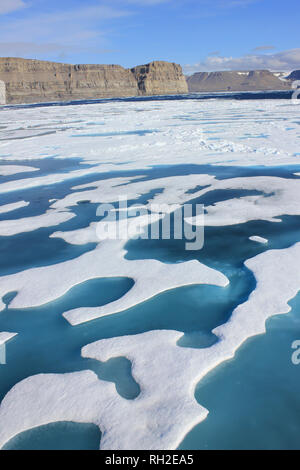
(258, 239)
(157, 419)
(174, 190)
(38, 286)
(13, 206)
(28, 224)
(280, 196)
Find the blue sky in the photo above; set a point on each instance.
(199, 34)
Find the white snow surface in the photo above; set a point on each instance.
(258, 239)
(6, 336)
(28, 224)
(240, 133)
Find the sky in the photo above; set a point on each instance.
(201, 35)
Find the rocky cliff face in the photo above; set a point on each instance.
(103, 81)
(255, 80)
(29, 81)
(160, 78)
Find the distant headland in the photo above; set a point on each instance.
(253, 80)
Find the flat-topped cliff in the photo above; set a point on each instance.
(30, 81)
(103, 81)
(254, 80)
(160, 78)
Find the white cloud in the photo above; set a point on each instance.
(84, 25)
(8, 6)
(281, 61)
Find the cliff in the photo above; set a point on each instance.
(255, 80)
(30, 81)
(160, 78)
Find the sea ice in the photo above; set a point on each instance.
(6, 336)
(37, 286)
(166, 409)
(246, 133)
(28, 224)
(258, 239)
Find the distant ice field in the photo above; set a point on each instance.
(140, 343)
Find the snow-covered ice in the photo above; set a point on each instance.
(121, 161)
(258, 239)
(28, 224)
(6, 336)
(38, 286)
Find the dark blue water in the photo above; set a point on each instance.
(257, 95)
